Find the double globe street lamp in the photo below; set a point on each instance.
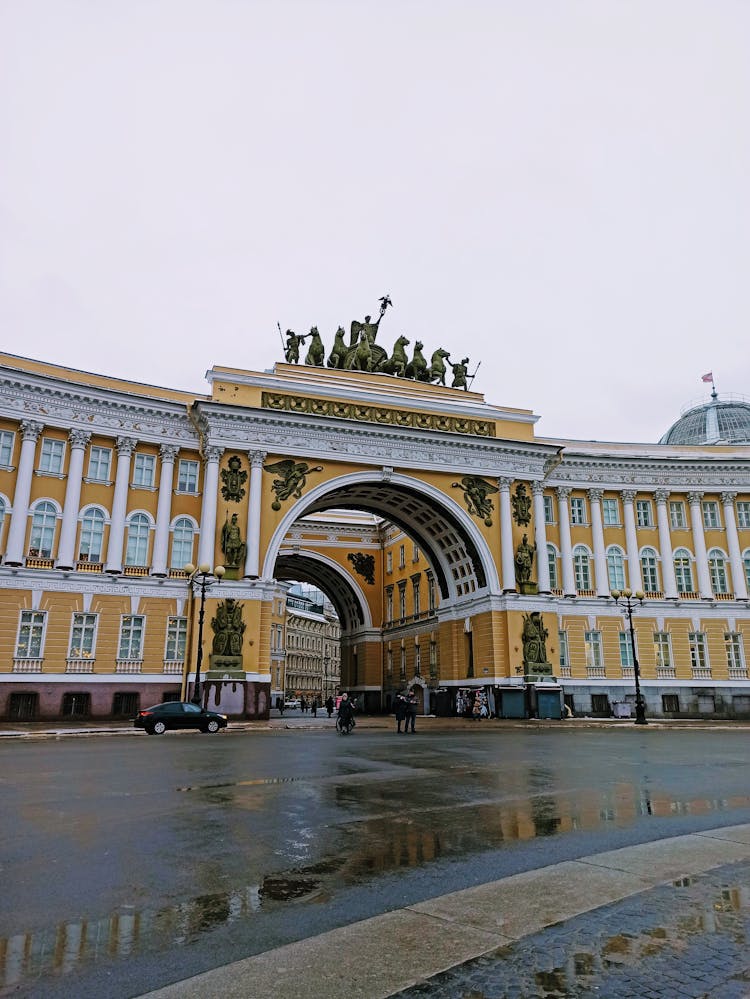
(629, 597)
(205, 578)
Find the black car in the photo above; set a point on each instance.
(178, 714)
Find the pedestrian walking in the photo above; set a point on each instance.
(400, 710)
(411, 710)
(280, 705)
(329, 705)
(314, 707)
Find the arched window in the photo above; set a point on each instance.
(717, 566)
(92, 535)
(616, 568)
(552, 560)
(182, 543)
(43, 530)
(650, 570)
(136, 552)
(683, 571)
(582, 567)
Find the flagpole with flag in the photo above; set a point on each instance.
(709, 377)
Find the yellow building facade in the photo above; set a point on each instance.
(460, 551)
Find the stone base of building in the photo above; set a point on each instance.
(666, 701)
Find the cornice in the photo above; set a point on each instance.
(650, 473)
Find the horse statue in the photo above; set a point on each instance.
(437, 365)
(337, 357)
(417, 367)
(360, 359)
(396, 363)
(316, 351)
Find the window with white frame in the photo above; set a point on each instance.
(717, 566)
(389, 662)
(577, 510)
(389, 561)
(100, 463)
(663, 649)
(610, 512)
(42, 535)
(415, 552)
(389, 604)
(649, 570)
(710, 514)
(616, 568)
(735, 651)
(430, 593)
(677, 519)
(743, 514)
(7, 440)
(30, 641)
(402, 663)
(401, 556)
(698, 650)
(562, 641)
(144, 469)
(415, 593)
(746, 564)
(417, 659)
(187, 476)
(136, 552)
(130, 646)
(593, 644)
(92, 535)
(549, 510)
(683, 570)
(626, 650)
(582, 567)
(82, 636)
(643, 516)
(182, 543)
(552, 562)
(174, 651)
(402, 599)
(51, 458)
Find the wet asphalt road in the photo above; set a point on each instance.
(129, 863)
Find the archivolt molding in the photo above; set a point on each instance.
(335, 567)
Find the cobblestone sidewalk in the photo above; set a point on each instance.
(687, 939)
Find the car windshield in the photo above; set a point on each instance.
(192, 709)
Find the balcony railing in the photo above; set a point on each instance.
(36, 562)
(654, 595)
(701, 672)
(79, 665)
(135, 570)
(27, 665)
(737, 673)
(177, 574)
(565, 672)
(128, 665)
(586, 593)
(723, 596)
(665, 673)
(595, 672)
(173, 666)
(86, 566)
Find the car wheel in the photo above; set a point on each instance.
(213, 726)
(160, 727)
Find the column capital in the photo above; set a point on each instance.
(595, 495)
(125, 446)
(661, 495)
(628, 495)
(213, 453)
(168, 452)
(257, 458)
(31, 430)
(505, 482)
(537, 487)
(694, 498)
(79, 438)
(563, 492)
(728, 498)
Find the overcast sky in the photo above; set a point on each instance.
(559, 190)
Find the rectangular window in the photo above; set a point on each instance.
(670, 704)
(626, 650)
(593, 643)
(131, 637)
(549, 510)
(610, 512)
(389, 561)
(389, 604)
(402, 601)
(6, 447)
(417, 660)
(100, 462)
(643, 513)
(710, 514)
(578, 510)
(743, 514)
(677, 515)
(82, 637)
(187, 476)
(735, 651)
(389, 662)
(415, 594)
(431, 593)
(51, 460)
(401, 556)
(176, 639)
(562, 640)
(415, 553)
(663, 649)
(144, 468)
(31, 635)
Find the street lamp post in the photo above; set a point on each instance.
(628, 596)
(201, 575)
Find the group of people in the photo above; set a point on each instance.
(406, 710)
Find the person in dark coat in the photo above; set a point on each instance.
(400, 710)
(411, 711)
(330, 705)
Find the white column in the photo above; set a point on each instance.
(540, 538)
(739, 583)
(66, 554)
(665, 544)
(17, 529)
(207, 543)
(125, 448)
(168, 453)
(252, 560)
(507, 555)
(566, 546)
(699, 543)
(635, 582)
(597, 531)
